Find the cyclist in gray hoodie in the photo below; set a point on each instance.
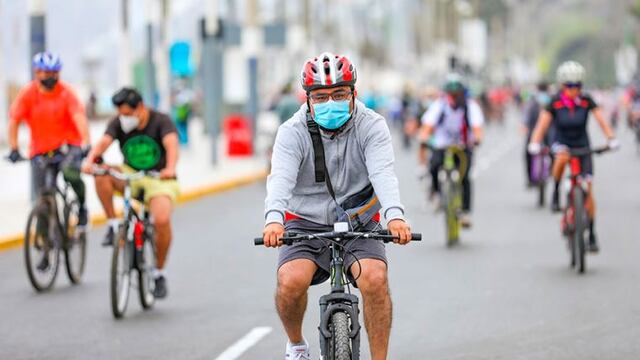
(332, 161)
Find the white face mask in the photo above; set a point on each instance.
(128, 123)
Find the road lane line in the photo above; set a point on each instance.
(244, 344)
(494, 156)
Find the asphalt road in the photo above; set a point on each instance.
(505, 293)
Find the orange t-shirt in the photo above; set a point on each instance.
(49, 116)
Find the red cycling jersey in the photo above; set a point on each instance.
(49, 116)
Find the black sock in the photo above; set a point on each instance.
(556, 192)
(591, 226)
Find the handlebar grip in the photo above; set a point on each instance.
(414, 236)
(258, 241)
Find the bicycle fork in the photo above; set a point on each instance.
(338, 301)
(331, 304)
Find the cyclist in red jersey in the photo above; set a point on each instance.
(58, 125)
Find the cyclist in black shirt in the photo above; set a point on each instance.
(569, 112)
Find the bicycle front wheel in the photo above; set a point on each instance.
(541, 192)
(340, 342)
(75, 249)
(121, 273)
(146, 263)
(41, 252)
(580, 214)
(452, 222)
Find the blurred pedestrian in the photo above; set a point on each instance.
(287, 104)
(538, 101)
(408, 116)
(182, 109)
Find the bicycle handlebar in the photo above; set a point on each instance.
(48, 159)
(584, 151)
(382, 235)
(430, 146)
(125, 177)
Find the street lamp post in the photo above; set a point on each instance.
(212, 73)
(162, 57)
(37, 10)
(124, 54)
(38, 42)
(252, 45)
(150, 89)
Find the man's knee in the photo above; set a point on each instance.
(161, 210)
(294, 279)
(561, 158)
(373, 279)
(163, 219)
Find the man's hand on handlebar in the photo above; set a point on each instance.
(272, 234)
(167, 174)
(401, 229)
(15, 156)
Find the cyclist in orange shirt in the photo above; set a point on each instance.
(58, 125)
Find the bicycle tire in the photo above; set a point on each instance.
(146, 283)
(119, 290)
(75, 249)
(580, 216)
(33, 244)
(340, 342)
(452, 221)
(542, 186)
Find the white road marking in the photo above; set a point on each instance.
(241, 346)
(494, 156)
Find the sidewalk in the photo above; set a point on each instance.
(196, 174)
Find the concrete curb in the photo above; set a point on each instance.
(13, 241)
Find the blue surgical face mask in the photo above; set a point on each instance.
(331, 115)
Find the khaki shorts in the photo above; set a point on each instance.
(153, 187)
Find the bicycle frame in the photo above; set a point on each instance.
(53, 193)
(337, 301)
(451, 176)
(449, 165)
(136, 222)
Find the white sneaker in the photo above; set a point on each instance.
(436, 202)
(297, 352)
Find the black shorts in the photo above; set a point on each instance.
(71, 160)
(586, 162)
(320, 254)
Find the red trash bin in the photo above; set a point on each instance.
(237, 131)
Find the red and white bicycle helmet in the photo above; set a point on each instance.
(328, 70)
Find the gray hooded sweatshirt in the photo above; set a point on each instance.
(360, 155)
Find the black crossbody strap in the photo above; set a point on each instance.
(322, 174)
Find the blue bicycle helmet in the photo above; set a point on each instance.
(46, 61)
